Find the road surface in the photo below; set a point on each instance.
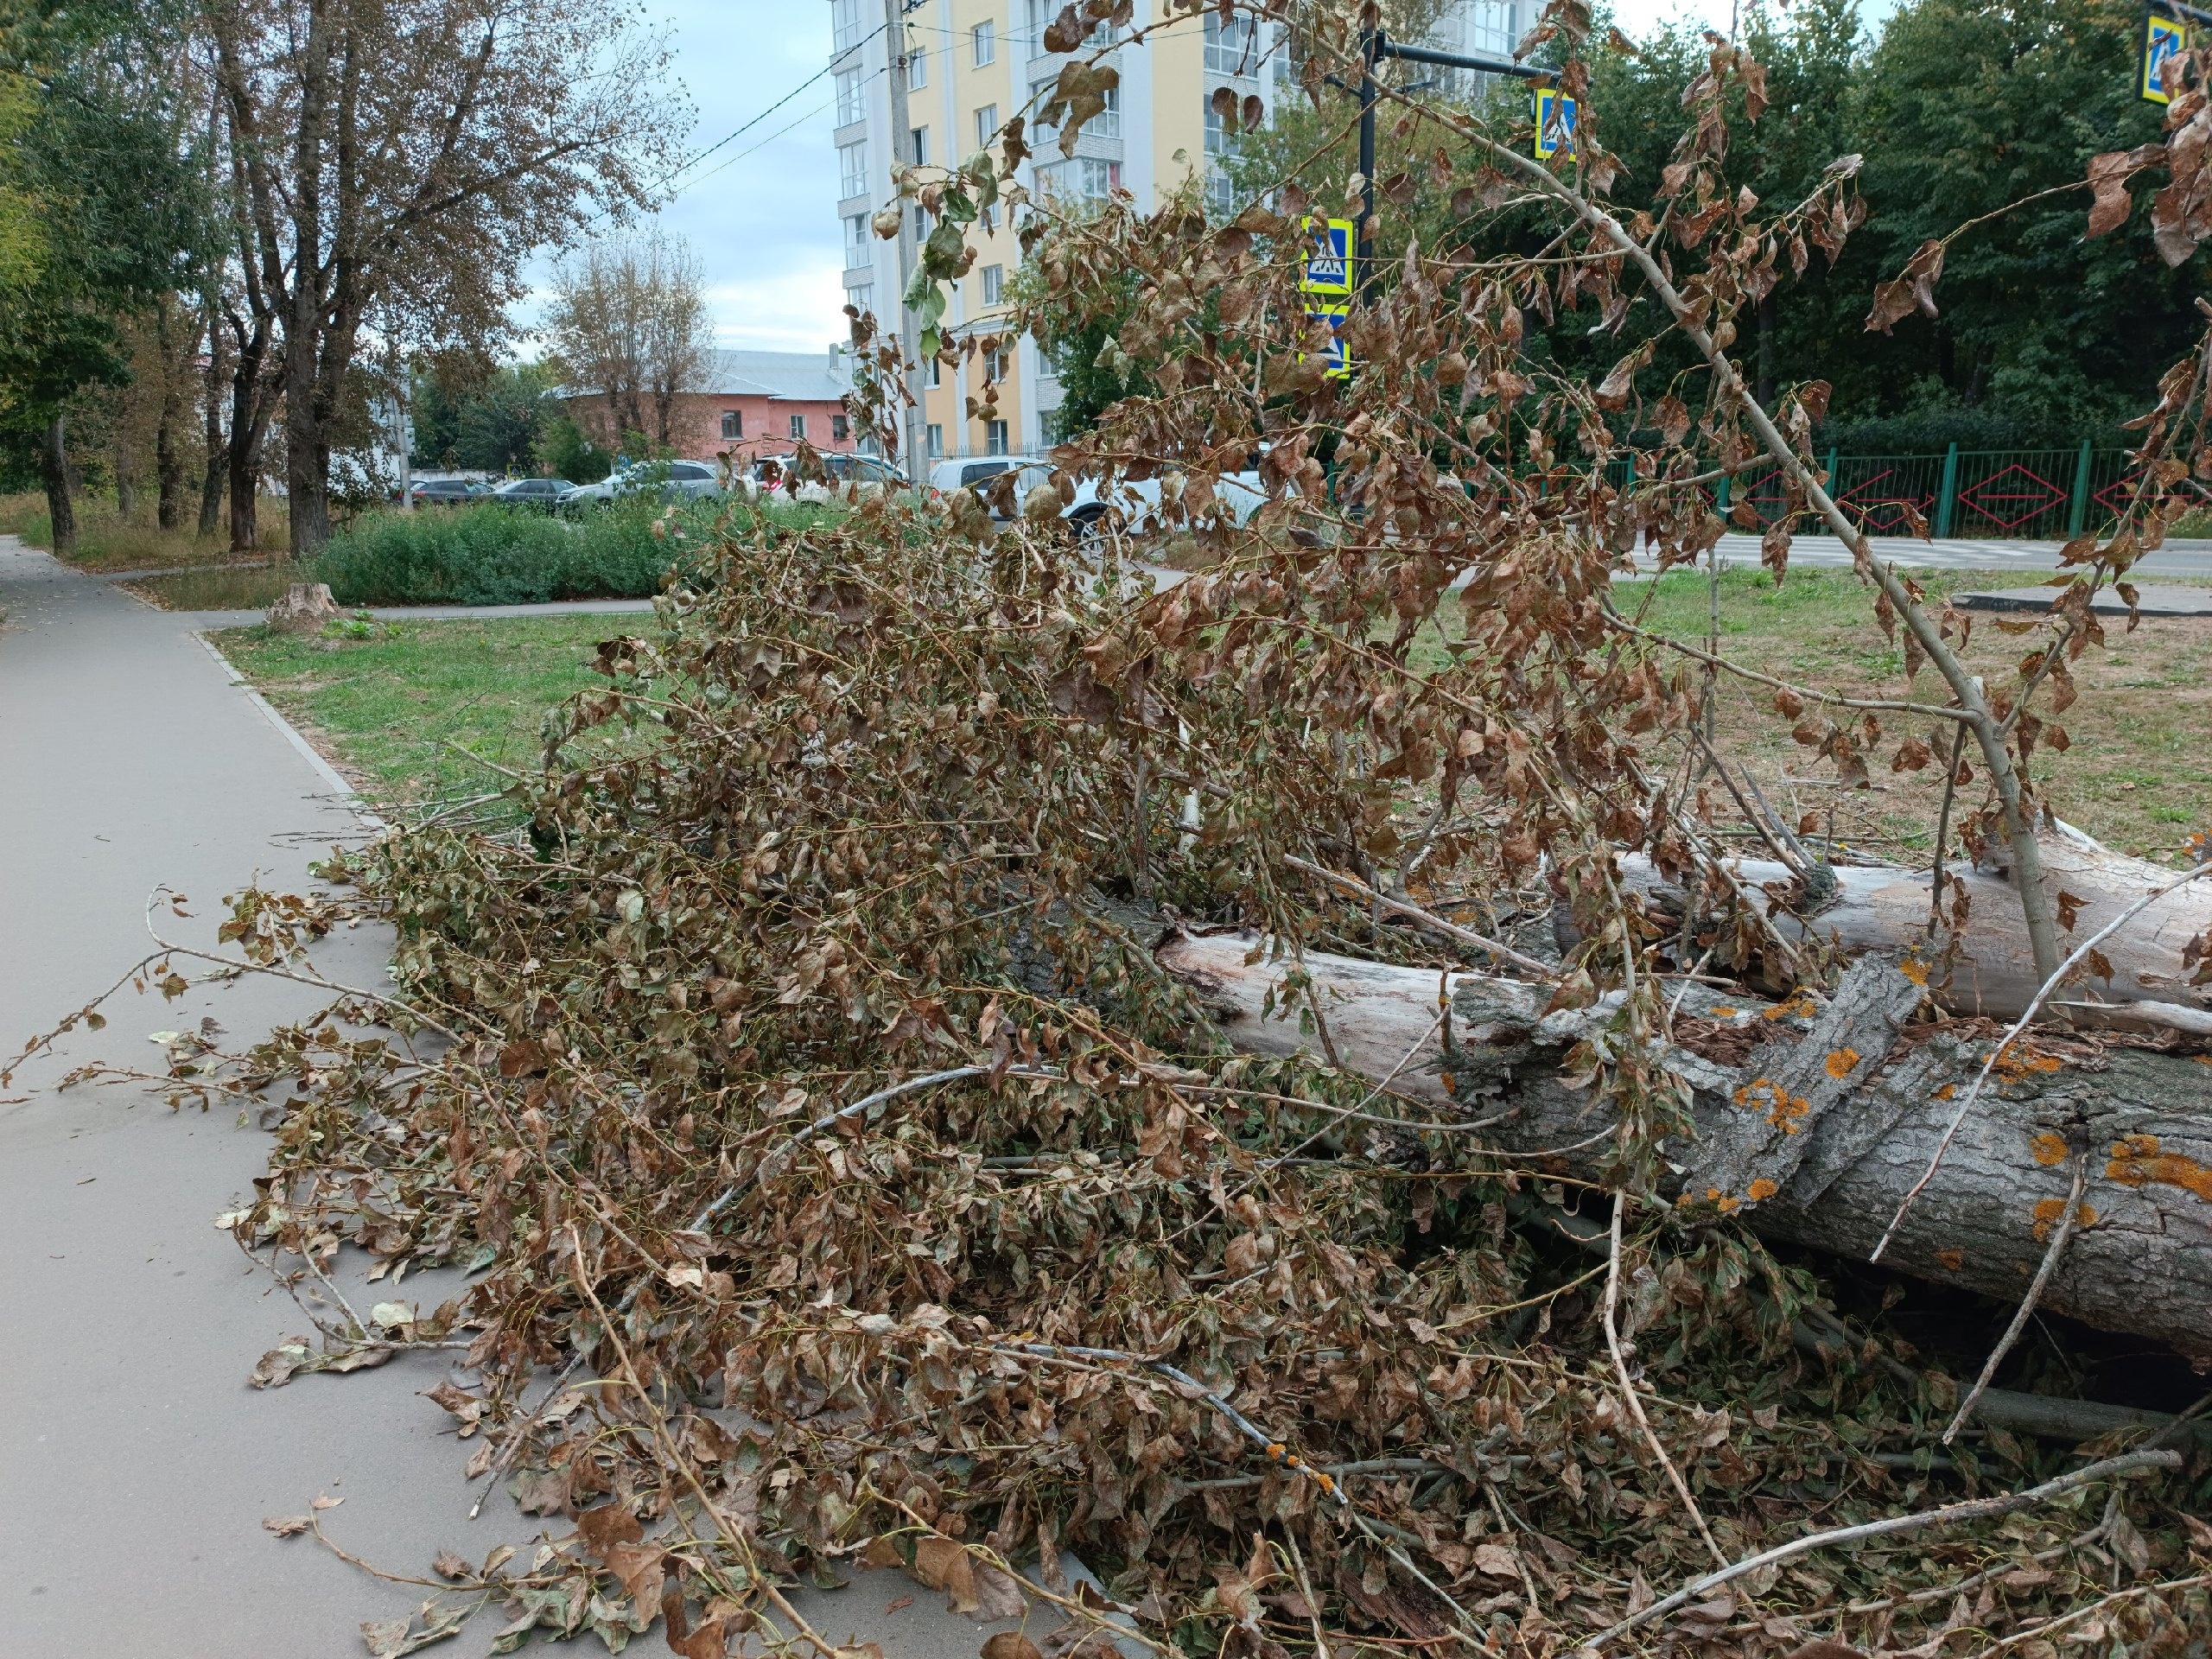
(136, 1464)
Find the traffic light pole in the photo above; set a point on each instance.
(1375, 45)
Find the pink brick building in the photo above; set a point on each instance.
(755, 403)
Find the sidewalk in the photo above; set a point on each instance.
(136, 1464)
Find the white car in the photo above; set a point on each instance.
(1131, 504)
(1134, 505)
(660, 480)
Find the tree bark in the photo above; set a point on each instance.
(1801, 1152)
(169, 457)
(54, 472)
(249, 420)
(1992, 971)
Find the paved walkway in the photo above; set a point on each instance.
(2176, 558)
(136, 1466)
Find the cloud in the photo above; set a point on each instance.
(800, 309)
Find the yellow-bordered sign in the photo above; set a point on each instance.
(1554, 124)
(2163, 39)
(1338, 354)
(1329, 255)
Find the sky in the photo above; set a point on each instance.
(760, 211)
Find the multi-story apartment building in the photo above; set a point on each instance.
(971, 64)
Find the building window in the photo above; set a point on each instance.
(733, 423)
(918, 66)
(933, 441)
(918, 146)
(852, 171)
(861, 299)
(986, 123)
(933, 373)
(994, 284)
(857, 253)
(1107, 124)
(995, 365)
(1233, 47)
(840, 429)
(1082, 179)
(844, 23)
(1220, 194)
(986, 41)
(1042, 12)
(798, 426)
(852, 102)
(995, 437)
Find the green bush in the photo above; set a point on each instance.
(491, 554)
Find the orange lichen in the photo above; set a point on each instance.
(1801, 1005)
(2013, 1066)
(2048, 1211)
(1949, 1091)
(1762, 1190)
(1779, 1106)
(1951, 1259)
(2136, 1161)
(1841, 1061)
(1914, 970)
(2049, 1149)
(1722, 1011)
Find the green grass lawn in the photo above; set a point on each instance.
(2138, 776)
(395, 711)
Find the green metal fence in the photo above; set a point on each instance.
(1984, 495)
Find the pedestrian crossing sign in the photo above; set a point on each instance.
(2161, 41)
(1328, 257)
(1337, 355)
(1554, 124)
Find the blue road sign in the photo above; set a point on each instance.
(2163, 39)
(1328, 257)
(1554, 124)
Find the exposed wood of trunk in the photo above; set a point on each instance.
(1883, 908)
(1852, 1146)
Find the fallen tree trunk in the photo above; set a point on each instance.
(1879, 907)
(1813, 1119)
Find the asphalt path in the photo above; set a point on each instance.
(2192, 558)
(136, 1464)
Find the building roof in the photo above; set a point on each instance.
(813, 377)
(802, 377)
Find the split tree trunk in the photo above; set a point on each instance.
(1883, 908)
(1819, 1130)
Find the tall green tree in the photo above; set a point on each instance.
(94, 157)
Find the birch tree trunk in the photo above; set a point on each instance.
(1813, 1119)
(1876, 907)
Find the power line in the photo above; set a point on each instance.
(763, 116)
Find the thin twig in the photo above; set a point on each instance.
(2020, 1025)
(1436, 924)
(722, 1200)
(1306, 1593)
(1976, 1508)
(2059, 1236)
(1943, 830)
(1628, 1386)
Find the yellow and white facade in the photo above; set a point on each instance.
(972, 64)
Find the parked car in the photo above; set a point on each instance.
(447, 491)
(969, 471)
(661, 480)
(1133, 505)
(541, 494)
(770, 474)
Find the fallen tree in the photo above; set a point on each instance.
(1814, 1118)
(1982, 963)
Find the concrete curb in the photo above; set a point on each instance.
(329, 774)
(2152, 601)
